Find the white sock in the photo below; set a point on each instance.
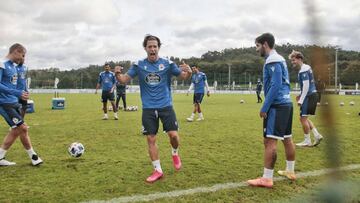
(105, 115)
(174, 151)
(115, 114)
(316, 133)
(157, 165)
(30, 152)
(200, 115)
(290, 166)
(192, 115)
(307, 137)
(268, 173)
(2, 153)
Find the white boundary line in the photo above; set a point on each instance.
(214, 188)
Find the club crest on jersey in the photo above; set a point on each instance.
(272, 68)
(153, 79)
(14, 79)
(16, 120)
(161, 67)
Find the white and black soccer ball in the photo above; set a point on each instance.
(242, 101)
(342, 103)
(352, 103)
(76, 149)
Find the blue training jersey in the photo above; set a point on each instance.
(21, 83)
(305, 74)
(107, 80)
(199, 82)
(8, 82)
(155, 81)
(276, 81)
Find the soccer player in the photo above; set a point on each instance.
(21, 85)
(155, 75)
(276, 111)
(307, 100)
(198, 82)
(120, 92)
(258, 90)
(107, 82)
(10, 107)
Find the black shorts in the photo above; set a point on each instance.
(198, 97)
(11, 114)
(278, 122)
(150, 120)
(308, 107)
(107, 95)
(23, 104)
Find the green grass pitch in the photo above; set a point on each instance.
(225, 147)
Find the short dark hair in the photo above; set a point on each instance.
(15, 47)
(266, 37)
(149, 37)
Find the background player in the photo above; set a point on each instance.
(307, 100)
(198, 82)
(120, 92)
(107, 82)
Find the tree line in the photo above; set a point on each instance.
(244, 63)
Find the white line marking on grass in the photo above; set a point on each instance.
(217, 187)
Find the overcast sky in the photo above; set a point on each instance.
(75, 33)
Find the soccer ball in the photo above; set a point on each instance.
(242, 101)
(352, 103)
(76, 149)
(342, 103)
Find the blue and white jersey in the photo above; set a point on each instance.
(276, 81)
(306, 75)
(198, 81)
(8, 82)
(107, 80)
(155, 81)
(21, 83)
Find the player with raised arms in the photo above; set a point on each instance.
(155, 75)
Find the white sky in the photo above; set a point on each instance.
(75, 33)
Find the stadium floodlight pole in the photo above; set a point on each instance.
(229, 78)
(336, 69)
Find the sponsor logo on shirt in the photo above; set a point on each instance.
(153, 79)
(272, 68)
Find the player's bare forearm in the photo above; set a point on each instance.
(122, 78)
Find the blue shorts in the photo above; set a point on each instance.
(308, 107)
(11, 114)
(198, 97)
(150, 120)
(278, 123)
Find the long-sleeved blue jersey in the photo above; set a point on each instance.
(21, 83)
(8, 82)
(276, 81)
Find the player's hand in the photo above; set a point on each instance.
(95, 91)
(208, 93)
(118, 69)
(299, 104)
(25, 95)
(297, 98)
(263, 115)
(185, 67)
